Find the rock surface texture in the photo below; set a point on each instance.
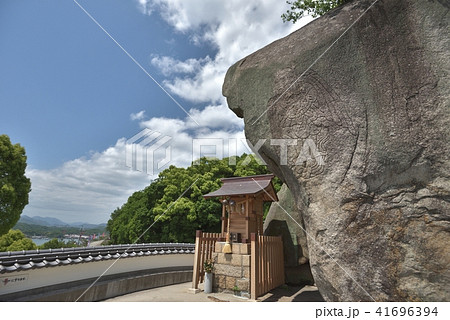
(282, 219)
(364, 92)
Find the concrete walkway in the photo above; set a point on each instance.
(181, 293)
(96, 243)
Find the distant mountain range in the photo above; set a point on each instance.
(54, 222)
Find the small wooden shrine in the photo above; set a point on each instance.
(247, 263)
(242, 201)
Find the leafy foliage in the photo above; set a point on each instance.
(313, 7)
(15, 240)
(208, 265)
(14, 185)
(172, 215)
(56, 244)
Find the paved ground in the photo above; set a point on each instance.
(96, 243)
(181, 293)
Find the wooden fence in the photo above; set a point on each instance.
(267, 264)
(204, 248)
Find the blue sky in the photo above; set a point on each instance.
(66, 88)
(72, 97)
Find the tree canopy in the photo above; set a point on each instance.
(300, 8)
(173, 218)
(57, 244)
(14, 185)
(15, 240)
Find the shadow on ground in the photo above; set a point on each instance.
(293, 294)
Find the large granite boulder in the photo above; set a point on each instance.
(364, 93)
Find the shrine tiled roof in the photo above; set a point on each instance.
(251, 185)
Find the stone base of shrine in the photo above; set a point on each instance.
(232, 270)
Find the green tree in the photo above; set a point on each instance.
(57, 244)
(15, 240)
(175, 219)
(14, 185)
(299, 8)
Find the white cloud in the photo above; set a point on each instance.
(138, 116)
(236, 28)
(84, 189)
(145, 6)
(215, 117)
(214, 121)
(169, 66)
(89, 189)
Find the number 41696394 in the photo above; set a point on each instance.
(404, 311)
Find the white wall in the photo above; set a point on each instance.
(46, 276)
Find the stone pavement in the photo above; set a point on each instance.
(181, 293)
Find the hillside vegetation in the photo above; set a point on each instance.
(172, 207)
(31, 230)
